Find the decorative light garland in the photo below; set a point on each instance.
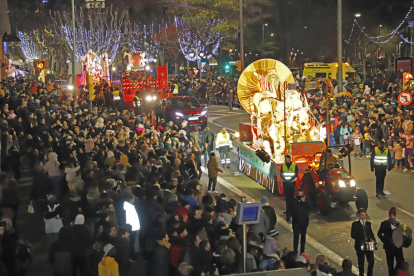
(142, 39)
(374, 39)
(28, 46)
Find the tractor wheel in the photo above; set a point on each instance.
(308, 186)
(324, 202)
(361, 199)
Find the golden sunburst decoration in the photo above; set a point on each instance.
(262, 76)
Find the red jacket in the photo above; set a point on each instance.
(402, 273)
(181, 212)
(175, 253)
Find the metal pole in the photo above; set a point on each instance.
(243, 200)
(411, 39)
(340, 83)
(241, 35)
(75, 90)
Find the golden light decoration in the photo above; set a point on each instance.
(259, 75)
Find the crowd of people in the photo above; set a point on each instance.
(114, 188)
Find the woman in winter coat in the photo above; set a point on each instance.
(345, 133)
(52, 169)
(213, 169)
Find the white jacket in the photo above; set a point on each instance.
(52, 166)
(131, 216)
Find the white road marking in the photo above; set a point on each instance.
(309, 240)
(406, 212)
(229, 186)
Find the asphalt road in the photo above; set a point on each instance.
(329, 234)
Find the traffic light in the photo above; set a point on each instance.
(227, 67)
(239, 65)
(406, 81)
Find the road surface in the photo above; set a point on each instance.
(329, 234)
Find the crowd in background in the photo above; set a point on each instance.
(118, 190)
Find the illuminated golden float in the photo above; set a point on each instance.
(280, 115)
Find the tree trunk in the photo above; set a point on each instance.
(389, 61)
(177, 69)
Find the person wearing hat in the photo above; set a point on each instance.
(108, 266)
(361, 232)
(271, 247)
(53, 219)
(380, 162)
(289, 172)
(81, 239)
(270, 212)
(385, 235)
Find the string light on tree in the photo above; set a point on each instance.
(96, 30)
(199, 42)
(28, 46)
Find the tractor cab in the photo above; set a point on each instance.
(327, 181)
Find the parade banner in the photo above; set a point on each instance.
(162, 77)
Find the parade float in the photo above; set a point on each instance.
(95, 68)
(281, 123)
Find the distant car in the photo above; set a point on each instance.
(62, 83)
(183, 107)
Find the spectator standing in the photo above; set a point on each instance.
(108, 266)
(213, 170)
(300, 220)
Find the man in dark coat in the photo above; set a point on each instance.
(361, 232)
(81, 239)
(161, 257)
(122, 251)
(385, 234)
(300, 220)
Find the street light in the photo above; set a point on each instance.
(271, 34)
(263, 25)
(357, 15)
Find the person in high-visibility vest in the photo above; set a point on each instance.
(289, 173)
(175, 89)
(224, 145)
(380, 161)
(137, 101)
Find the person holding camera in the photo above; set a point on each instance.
(300, 220)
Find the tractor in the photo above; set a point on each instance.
(326, 183)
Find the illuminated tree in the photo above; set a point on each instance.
(96, 30)
(141, 38)
(198, 41)
(28, 45)
(168, 38)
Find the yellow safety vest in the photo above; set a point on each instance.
(381, 158)
(115, 93)
(175, 91)
(289, 173)
(223, 140)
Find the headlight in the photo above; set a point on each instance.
(341, 183)
(179, 114)
(353, 183)
(148, 98)
(203, 113)
(154, 97)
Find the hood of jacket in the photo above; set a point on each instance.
(52, 157)
(108, 261)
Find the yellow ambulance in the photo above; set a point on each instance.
(326, 70)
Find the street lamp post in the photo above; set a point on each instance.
(241, 53)
(75, 91)
(340, 82)
(263, 27)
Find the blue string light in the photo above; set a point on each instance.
(28, 46)
(375, 39)
(195, 44)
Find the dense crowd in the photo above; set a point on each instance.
(118, 190)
